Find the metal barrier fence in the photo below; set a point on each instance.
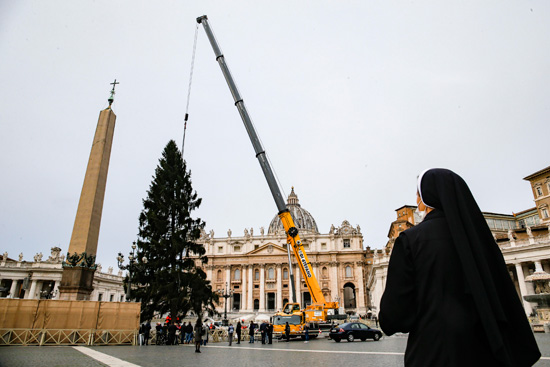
(67, 337)
(218, 335)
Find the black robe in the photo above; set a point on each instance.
(448, 287)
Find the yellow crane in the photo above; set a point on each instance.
(319, 308)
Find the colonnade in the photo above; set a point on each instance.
(254, 284)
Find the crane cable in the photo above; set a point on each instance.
(189, 88)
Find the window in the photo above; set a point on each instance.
(347, 243)
(256, 247)
(348, 271)
(220, 249)
(237, 248)
(539, 190)
(100, 297)
(121, 298)
(285, 273)
(544, 212)
(237, 275)
(257, 275)
(324, 272)
(111, 298)
(219, 277)
(306, 246)
(256, 286)
(270, 273)
(323, 246)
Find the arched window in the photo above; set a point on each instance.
(324, 272)
(219, 275)
(270, 273)
(256, 304)
(348, 271)
(256, 274)
(237, 274)
(285, 273)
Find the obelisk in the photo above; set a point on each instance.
(79, 266)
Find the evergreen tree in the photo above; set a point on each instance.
(171, 281)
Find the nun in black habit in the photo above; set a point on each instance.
(448, 286)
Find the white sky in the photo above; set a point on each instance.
(352, 99)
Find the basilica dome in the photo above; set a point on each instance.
(303, 220)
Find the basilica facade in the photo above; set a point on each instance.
(254, 267)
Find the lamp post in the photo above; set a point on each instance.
(132, 260)
(226, 293)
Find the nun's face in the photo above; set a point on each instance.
(421, 206)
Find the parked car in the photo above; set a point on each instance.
(354, 330)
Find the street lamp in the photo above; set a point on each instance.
(132, 262)
(226, 293)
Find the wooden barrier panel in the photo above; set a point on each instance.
(56, 322)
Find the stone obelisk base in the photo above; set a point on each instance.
(76, 284)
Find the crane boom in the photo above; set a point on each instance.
(293, 239)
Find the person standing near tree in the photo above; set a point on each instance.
(270, 333)
(147, 332)
(449, 288)
(198, 335)
(230, 331)
(239, 331)
(251, 329)
(188, 333)
(172, 328)
(263, 327)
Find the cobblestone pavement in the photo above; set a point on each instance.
(321, 352)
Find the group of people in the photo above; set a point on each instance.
(266, 332)
(173, 333)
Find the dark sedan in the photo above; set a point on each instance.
(354, 330)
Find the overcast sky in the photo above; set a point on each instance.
(352, 99)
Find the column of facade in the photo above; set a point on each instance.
(13, 288)
(335, 295)
(31, 294)
(538, 267)
(360, 290)
(56, 290)
(228, 275)
(262, 288)
(279, 304)
(228, 287)
(530, 286)
(523, 288)
(250, 289)
(243, 286)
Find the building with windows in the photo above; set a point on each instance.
(524, 239)
(254, 267)
(40, 279)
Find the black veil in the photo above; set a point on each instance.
(486, 276)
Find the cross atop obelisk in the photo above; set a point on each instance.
(79, 266)
(112, 97)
